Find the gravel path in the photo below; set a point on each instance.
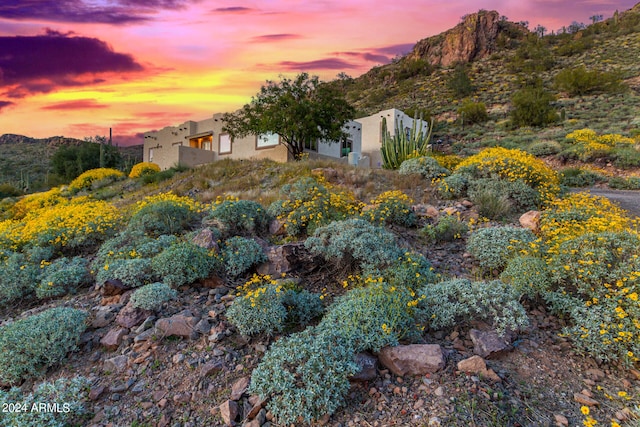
(628, 200)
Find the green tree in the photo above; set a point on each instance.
(69, 161)
(459, 83)
(301, 110)
(532, 107)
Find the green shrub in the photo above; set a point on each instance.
(446, 229)
(183, 263)
(391, 207)
(240, 254)
(544, 148)
(133, 273)
(64, 276)
(412, 270)
(426, 166)
(459, 82)
(131, 244)
(268, 308)
(580, 81)
(355, 243)
(532, 107)
(38, 341)
(576, 177)
(472, 112)
(242, 216)
(152, 296)
(626, 157)
(8, 190)
(445, 304)
(519, 196)
(528, 275)
(453, 186)
(304, 375)
(69, 394)
(18, 279)
(629, 183)
(162, 217)
(372, 317)
(494, 246)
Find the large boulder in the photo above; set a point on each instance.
(413, 359)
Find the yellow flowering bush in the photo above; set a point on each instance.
(182, 201)
(447, 161)
(311, 204)
(86, 179)
(164, 213)
(36, 201)
(143, 168)
(391, 207)
(512, 165)
(581, 213)
(588, 145)
(69, 223)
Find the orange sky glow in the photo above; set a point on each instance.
(78, 67)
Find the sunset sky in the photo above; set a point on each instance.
(77, 67)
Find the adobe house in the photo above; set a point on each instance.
(195, 143)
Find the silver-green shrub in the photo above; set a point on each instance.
(18, 279)
(412, 270)
(133, 272)
(163, 217)
(494, 246)
(183, 263)
(69, 395)
(447, 229)
(305, 375)
(372, 317)
(240, 254)
(426, 166)
(453, 186)
(241, 217)
(38, 341)
(356, 243)
(521, 196)
(529, 275)
(446, 303)
(131, 244)
(63, 276)
(152, 296)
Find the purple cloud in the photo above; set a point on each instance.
(395, 49)
(39, 64)
(275, 37)
(80, 104)
(5, 104)
(233, 9)
(81, 11)
(319, 64)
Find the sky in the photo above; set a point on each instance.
(79, 67)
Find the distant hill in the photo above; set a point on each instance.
(24, 161)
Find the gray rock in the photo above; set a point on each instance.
(111, 341)
(206, 239)
(368, 367)
(414, 359)
(281, 259)
(116, 364)
(148, 323)
(105, 315)
(112, 287)
(145, 336)
(130, 316)
(203, 327)
(239, 388)
(489, 344)
(229, 412)
(178, 325)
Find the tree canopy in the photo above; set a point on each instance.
(69, 161)
(301, 110)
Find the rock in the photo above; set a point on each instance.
(531, 220)
(206, 239)
(585, 400)
(473, 39)
(96, 392)
(277, 228)
(130, 316)
(476, 365)
(239, 388)
(489, 344)
(327, 173)
(467, 204)
(368, 367)
(229, 412)
(112, 340)
(252, 423)
(258, 404)
(104, 316)
(425, 211)
(282, 259)
(596, 374)
(112, 287)
(450, 211)
(177, 325)
(203, 327)
(211, 367)
(116, 364)
(561, 420)
(413, 359)
(145, 336)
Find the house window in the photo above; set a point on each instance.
(202, 142)
(311, 145)
(224, 144)
(346, 148)
(151, 154)
(267, 140)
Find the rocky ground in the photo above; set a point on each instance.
(187, 366)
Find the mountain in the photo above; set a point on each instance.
(53, 141)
